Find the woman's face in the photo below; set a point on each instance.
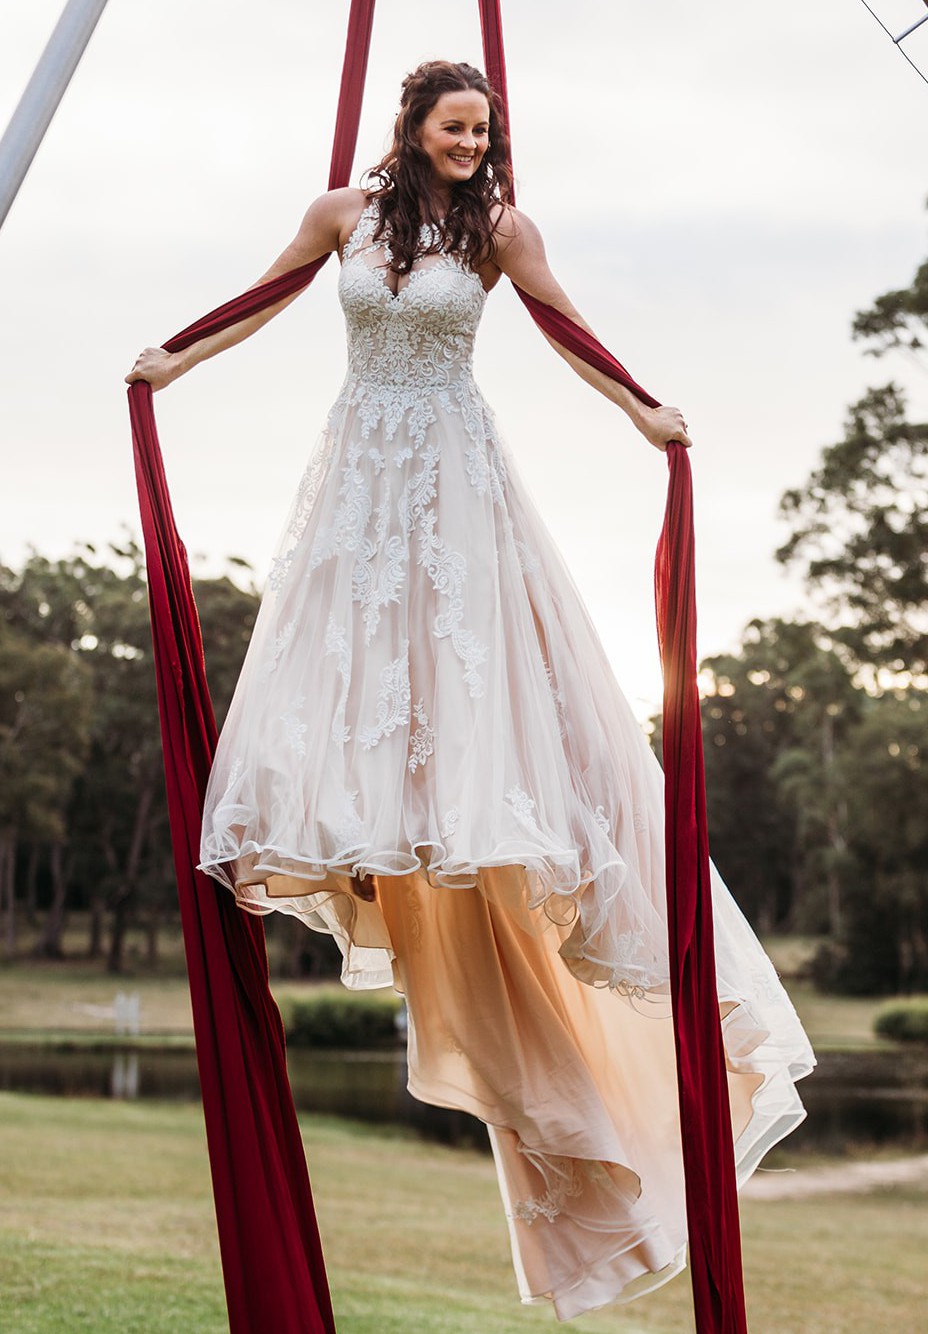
(455, 135)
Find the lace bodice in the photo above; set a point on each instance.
(419, 339)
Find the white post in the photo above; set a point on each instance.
(44, 91)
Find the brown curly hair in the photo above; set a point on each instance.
(401, 181)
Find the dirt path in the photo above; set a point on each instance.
(840, 1179)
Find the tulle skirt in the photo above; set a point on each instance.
(426, 700)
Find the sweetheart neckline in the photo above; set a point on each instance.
(445, 262)
(369, 211)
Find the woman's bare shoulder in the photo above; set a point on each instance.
(330, 220)
(345, 207)
(340, 207)
(513, 230)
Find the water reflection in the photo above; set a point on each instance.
(124, 1081)
(871, 1104)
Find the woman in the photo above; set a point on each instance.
(428, 755)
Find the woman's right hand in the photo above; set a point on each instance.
(156, 366)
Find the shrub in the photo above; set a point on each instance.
(327, 1020)
(904, 1021)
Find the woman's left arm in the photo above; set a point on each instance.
(520, 254)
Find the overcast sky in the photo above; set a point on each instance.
(720, 187)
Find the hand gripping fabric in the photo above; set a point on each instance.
(705, 1114)
(272, 1259)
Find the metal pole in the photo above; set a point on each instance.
(44, 91)
(917, 24)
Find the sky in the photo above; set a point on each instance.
(720, 187)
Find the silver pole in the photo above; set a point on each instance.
(917, 24)
(44, 91)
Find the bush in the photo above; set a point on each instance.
(327, 1020)
(904, 1021)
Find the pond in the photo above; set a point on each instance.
(854, 1100)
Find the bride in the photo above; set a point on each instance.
(428, 755)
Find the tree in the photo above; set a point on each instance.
(98, 611)
(227, 616)
(92, 612)
(45, 709)
(896, 320)
(883, 942)
(774, 717)
(860, 522)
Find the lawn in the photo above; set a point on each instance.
(57, 999)
(107, 1225)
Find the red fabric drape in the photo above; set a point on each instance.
(708, 1156)
(272, 1261)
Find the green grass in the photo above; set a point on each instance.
(56, 1000)
(50, 1000)
(60, 997)
(106, 1226)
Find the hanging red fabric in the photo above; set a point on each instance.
(272, 1260)
(705, 1113)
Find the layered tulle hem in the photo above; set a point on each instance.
(605, 941)
(620, 1256)
(586, 1231)
(576, 1085)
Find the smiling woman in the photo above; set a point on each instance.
(447, 166)
(428, 755)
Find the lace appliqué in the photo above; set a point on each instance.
(522, 804)
(560, 704)
(306, 494)
(392, 701)
(486, 472)
(422, 740)
(551, 1204)
(528, 561)
(374, 591)
(336, 641)
(410, 359)
(405, 346)
(350, 829)
(349, 523)
(599, 815)
(294, 728)
(447, 569)
(280, 643)
(449, 822)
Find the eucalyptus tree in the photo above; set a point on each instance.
(859, 523)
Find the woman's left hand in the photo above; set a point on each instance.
(662, 426)
(157, 367)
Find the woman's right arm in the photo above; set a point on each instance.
(325, 227)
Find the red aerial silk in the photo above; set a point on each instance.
(272, 1259)
(705, 1113)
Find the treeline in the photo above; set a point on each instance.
(817, 794)
(816, 732)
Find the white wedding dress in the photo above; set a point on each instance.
(426, 699)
